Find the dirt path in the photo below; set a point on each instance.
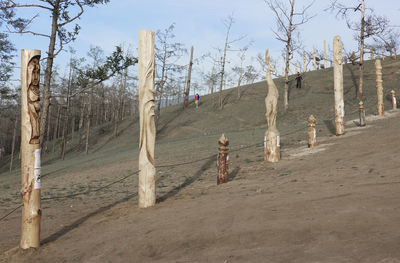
(339, 204)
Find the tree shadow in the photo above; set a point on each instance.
(78, 222)
(188, 181)
(330, 125)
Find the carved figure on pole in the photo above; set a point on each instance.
(30, 149)
(338, 85)
(361, 111)
(223, 158)
(312, 132)
(271, 138)
(147, 171)
(379, 87)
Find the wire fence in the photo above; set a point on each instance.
(137, 171)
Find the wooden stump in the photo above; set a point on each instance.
(223, 158)
(147, 171)
(312, 132)
(338, 86)
(30, 149)
(379, 87)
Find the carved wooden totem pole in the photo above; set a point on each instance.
(223, 158)
(379, 87)
(394, 101)
(361, 111)
(147, 170)
(314, 60)
(312, 132)
(338, 85)
(271, 138)
(325, 57)
(30, 149)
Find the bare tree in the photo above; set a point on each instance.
(370, 26)
(288, 20)
(60, 12)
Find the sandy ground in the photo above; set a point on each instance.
(335, 203)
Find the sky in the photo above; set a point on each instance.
(198, 23)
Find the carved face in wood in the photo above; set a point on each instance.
(33, 93)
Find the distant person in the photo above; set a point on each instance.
(196, 99)
(299, 78)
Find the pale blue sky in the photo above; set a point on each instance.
(200, 23)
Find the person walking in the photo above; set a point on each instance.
(299, 78)
(196, 99)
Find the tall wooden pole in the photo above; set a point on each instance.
(379, 87)
(147, 170)
(186, 102)
(30, 148)
(271, 136)
(338, 85)
(325, 60)
(315, 60)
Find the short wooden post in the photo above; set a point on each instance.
(30, 148)
(372, 54)
(223, 158)
(345, 59)
(395, 53)
(361, 111)
(312, 132)
(271, 136)
(325, 57)
(314, 60)
(319, 65)
(338, 86)
(379, 87)
(383, 54)
(147, 171)
(394, 101)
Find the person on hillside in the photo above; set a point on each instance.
(196, 99)
(299, 78)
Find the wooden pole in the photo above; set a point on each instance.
(312, 132)
(379, 87)
(304, 62)
(30, 148)
(223, 158)
(271, 136)
(314, 60)
(345, 59)
(372, 54)
(361, 110)
(325, 62)
(147, 170)
(383, 54)
(394, 101)
(186, 102)
(338, 85)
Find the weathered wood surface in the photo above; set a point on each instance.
(223, 158)
(379, 87)
(147, 171)
(30, 149)
(338, 85)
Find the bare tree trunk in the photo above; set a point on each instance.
(88, 117)
(56, 128)
(222, 73)
(48, 130)
(66, 118)
(186, 101)
(82, 114)
(73, 124)
(360, 84)
(13, 143)
(287, 64)
(30, 146)
(49, 68)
